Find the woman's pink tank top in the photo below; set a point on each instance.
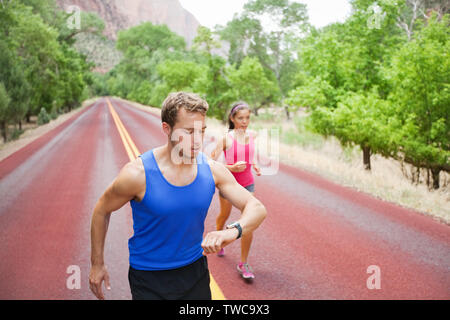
(241, 152)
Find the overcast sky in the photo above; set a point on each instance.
(212, 12)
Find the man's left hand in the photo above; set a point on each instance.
(216, 240)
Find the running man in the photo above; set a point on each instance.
(170, 189)
(239, 148)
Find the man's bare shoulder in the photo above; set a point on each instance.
(131, 178)
(214, 165)
(135, 167)
(219, 171)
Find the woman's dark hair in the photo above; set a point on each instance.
(235, 108)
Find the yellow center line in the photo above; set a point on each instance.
(216, 292)
(133, 153)
(122, 129)
(122, 136)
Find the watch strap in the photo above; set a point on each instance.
(238, 227)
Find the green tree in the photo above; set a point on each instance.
(37, 67)
(216, 88)
(175, 75)
(180, 75)
(341, 67)
(205, 41)
(20, 56)
(150, 38)
(327, 65)
(312, 94)
(362, 119)
(213, 84)
(251, 84)
(419, 74)
(72, 78)
(89, 23)
(144, 47)
(4, 110)
(272, 47)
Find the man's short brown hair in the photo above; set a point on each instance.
(176, 100)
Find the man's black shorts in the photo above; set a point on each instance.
(190, 282)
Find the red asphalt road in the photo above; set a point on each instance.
(317, 241)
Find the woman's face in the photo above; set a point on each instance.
(241, 119)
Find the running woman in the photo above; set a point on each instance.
(170, 189)
(238, 147)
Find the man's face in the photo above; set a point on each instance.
(187, 136)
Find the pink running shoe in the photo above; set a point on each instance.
(221, 253)
(245, 271)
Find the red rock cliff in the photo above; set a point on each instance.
(123, 14)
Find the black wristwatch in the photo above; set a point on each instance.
(237, 226)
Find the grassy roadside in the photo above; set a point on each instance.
(33, 131)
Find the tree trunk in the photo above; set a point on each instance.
(417, 175)
(366, 158)
(435, 175)
(3, 129)
(288, 115)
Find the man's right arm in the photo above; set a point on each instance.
(127, 185)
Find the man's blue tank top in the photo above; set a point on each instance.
(169, 221)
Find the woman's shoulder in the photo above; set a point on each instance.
(227, 139)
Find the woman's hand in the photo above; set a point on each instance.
(238, 166)
(257, 170)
